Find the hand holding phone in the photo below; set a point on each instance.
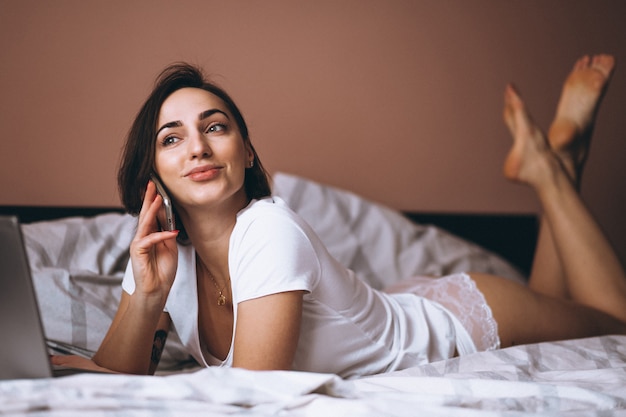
(169, 223)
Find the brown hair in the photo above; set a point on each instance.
(138, 155)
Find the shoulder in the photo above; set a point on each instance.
(268, 230)
(270, 215)
(272, 250)
(269, 206)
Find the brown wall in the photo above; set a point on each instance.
(399, 101)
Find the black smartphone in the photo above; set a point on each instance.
(170, 223)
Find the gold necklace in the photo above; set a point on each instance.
(221, 299)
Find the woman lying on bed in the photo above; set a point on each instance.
(247, 283)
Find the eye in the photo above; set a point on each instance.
(169, 140)
(216, 128)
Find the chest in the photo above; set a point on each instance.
(215, 320)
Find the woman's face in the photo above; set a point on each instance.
(200, 154)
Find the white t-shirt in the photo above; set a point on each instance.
(347, 328)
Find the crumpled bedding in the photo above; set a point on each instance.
(569, 378)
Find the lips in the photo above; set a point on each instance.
(203, 173)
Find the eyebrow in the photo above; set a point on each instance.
(168, 125)
(205, 114)
(211, 112)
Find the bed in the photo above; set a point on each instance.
(78, 255)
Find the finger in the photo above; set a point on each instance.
(144, 244)
(67, 360)
(148, 196)
(148, 220)
(161, 216)
(148, 200)
(78, 362)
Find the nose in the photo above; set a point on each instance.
(198, 145)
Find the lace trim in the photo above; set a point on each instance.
(459, 294)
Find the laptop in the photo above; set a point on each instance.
(24, 351)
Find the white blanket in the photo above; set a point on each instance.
(576, 377)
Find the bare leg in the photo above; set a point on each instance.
(594, 274)
(524, 316)
(570, 136)
(595, 278)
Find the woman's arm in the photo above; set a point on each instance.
(136, 338)
(140, 322)
(267, 331)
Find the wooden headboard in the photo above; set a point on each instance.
(512, 236)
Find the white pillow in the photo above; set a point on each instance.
(77, 265)
(380, 244)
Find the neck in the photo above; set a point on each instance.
(209, 230)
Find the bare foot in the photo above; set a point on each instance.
(570, 132)
(530, 151)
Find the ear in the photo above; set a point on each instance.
(249, 155)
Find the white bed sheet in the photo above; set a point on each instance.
(570, 378)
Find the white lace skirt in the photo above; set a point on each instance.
(459, 295)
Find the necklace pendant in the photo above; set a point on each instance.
(221, 300)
